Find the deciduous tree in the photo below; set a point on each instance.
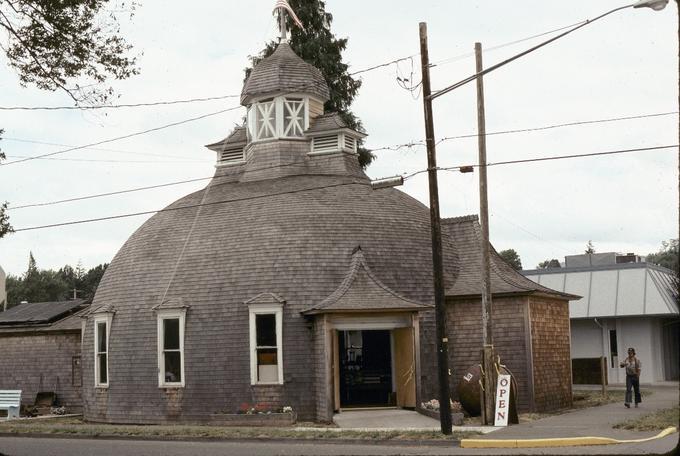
(549, 264)
(69, 45)
(666, 256)
(512, 258)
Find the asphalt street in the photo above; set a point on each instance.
(25, 446)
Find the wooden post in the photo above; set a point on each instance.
(487, 320)
(437, 256)
(603, 375)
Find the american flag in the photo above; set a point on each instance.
(284, 4)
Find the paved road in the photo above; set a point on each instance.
(23, 446)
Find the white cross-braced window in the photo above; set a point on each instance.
(265, 120)
(293, 116)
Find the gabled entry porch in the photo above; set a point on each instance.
(367, 345)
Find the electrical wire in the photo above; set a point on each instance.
(118, 138)
(501, 46)
(99, 195)
(405, 176)
(525, 130)
(540, 159)
(104, 160)
(190, 206)
(113, 106)
(118, 192)
(103, 149)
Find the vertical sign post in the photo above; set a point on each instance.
(502, 400)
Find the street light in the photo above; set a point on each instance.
(437, 260)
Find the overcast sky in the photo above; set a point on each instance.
(624, 65)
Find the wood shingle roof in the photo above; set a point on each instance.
(284, 72)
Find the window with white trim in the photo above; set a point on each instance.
(171, 348)
(266, 363)
(265, 119)
(293, 116)
(101, 351)
(279, 117)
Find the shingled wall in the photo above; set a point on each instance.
(552, 360)
(509, 337)
(41, 362)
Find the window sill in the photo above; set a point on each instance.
(171, 386)
(267, 384)
(101, 387)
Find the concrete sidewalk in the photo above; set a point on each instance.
(599, 422)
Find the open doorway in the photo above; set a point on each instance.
(365, 368)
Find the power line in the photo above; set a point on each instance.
(383, 64)
(190, 206)
(167, 184)
(98, 195)
(113, 106)
(165, 103)
(118, 138)
(539, 159)
(104, 160)
(567, 124)
(500, 46)
(103, 149)
(421, 142)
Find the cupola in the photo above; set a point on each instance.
(282, 94)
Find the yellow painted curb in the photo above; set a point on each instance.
(555, 442)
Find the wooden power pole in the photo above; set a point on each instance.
(489, 396)
(437, 256)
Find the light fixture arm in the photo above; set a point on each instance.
(654, 4)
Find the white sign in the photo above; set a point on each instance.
(502, 401)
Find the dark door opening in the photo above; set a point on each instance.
(365, 368)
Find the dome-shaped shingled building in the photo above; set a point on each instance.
(287, 281)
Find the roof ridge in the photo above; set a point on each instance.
(461, 219)
(358, 261)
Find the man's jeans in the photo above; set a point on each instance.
(633, 381)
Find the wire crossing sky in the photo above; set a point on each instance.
(611, 86)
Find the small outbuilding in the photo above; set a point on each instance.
(625, 302)
(530, 323)
(40, 351)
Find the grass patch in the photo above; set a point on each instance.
(584, 399)
(74, 426)
(656, 421)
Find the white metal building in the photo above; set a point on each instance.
(625, 302)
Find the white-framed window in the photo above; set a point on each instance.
(102, 327)
(171, 348)
(293, 117)
(265, 119)
(266, 344)
(279, 117)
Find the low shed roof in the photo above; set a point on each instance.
(626, 289)
(39, 312)
(466, 233)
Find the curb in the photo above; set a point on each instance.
(335, 441)
(555, 442)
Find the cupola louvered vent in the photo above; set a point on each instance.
(350, 143)
(327, 143)
(231, 155)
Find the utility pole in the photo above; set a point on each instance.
(437, 256)
(489, 396)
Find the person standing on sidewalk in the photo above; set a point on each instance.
(632, 365)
